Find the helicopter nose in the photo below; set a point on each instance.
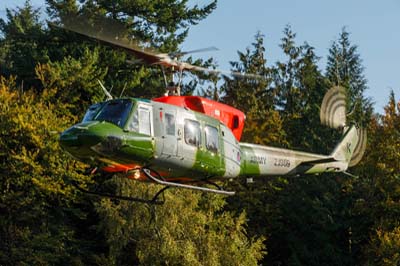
(78, 139)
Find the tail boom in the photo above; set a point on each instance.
(258, 160)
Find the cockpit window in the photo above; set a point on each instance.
(115, 112)
(92, 111)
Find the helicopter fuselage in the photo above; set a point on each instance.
(126, 135)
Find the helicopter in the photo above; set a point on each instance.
(188, 141)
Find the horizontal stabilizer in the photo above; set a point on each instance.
(314, 162)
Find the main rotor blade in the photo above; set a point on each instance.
(180, 54)
(113, 33)
(224, 72)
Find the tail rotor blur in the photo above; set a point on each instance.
(333, 108)
(333, 114)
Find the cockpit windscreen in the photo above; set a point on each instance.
(116, 112)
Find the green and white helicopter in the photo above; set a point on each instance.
(187, 141)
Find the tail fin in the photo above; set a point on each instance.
(333, 114)
(344, 151)
(341, 157)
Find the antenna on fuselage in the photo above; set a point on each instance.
(109, 96)
(123, 90)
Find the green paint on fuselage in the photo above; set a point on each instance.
(93, 140)
(248, 165)
(136, 148)
(208, 163)
(99, 140)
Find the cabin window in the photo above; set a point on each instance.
(170, 124)
(192, 132)
(116, 112)
(211, 138)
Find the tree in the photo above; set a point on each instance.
(23, 44)
(161, 25)
(385, 247)
(37, 204)
(306, 219)
(344, 68)
(73, 81)
(380, 200)
(189, 229)
(253, 95)
(300, 87)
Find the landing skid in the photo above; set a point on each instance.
(156, 178)
(148, 174)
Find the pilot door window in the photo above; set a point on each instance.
(134, 125)
(141, 121)
(192, 132)
(211, 138)
(144, 121)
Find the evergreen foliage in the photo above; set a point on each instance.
(36, 201)
(380, 199)
(23, 44)
(74, 81)
(344, 68)
(300, 87)
(254, 96)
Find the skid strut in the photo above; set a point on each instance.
(147, 172)
(157, 180)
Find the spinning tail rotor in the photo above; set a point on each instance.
(360, 148)
(333, 108)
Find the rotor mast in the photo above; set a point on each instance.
(173, 88)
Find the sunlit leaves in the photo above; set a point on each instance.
(73, 81)
(190, 228)
(385, 248)
(34, 176)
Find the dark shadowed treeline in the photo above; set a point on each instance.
(48, 77)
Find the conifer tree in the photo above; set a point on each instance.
(344, 68)
(299, 87)
(22, 44)
(254, 96)
(379, 189)
(160, 25)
